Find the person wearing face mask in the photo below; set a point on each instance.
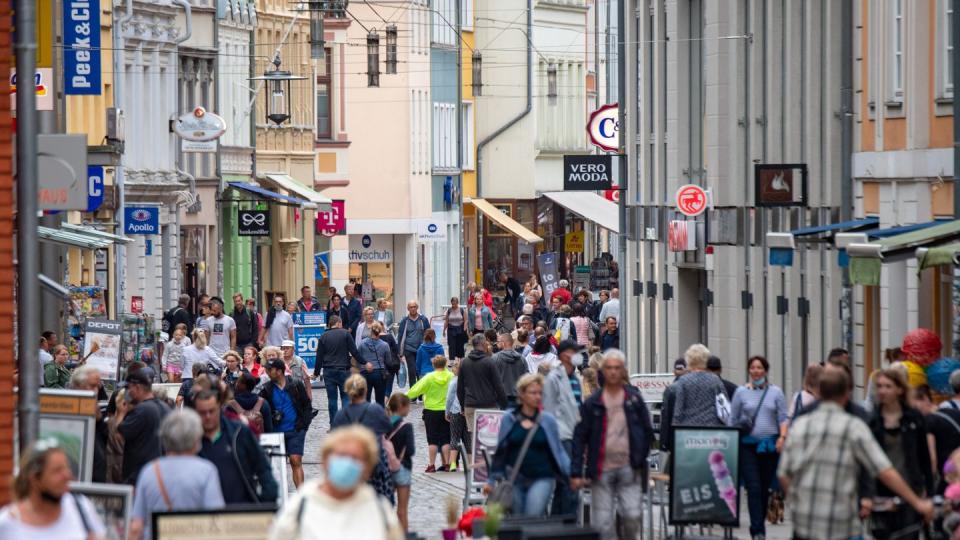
(759, 409)
(562, 397)
(341, 505)
(43, 507)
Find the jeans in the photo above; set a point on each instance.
(333, 381)
(411, 358)
(388, 385)
(623, 485)
(565, 500)
(757, 472)
(376, 381)
(531, 497)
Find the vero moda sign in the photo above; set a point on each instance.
(141, 220)
(587, 173)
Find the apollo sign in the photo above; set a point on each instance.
(141, 220)
(603, 128)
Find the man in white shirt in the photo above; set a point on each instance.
(220, 328)
(612, 307)
(278, 325)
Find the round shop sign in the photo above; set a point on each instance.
(691, 200)
(603, 128)
(432, 228)
(366, 241)
(200, 125)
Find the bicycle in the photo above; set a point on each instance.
(885, 524)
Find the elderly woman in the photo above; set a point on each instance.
(341, 505)
(384, 315)
(43, 506)
(56, 374)
(178, 481)
(696, 392)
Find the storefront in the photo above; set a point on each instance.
(372, 266)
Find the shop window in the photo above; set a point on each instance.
(376, 281)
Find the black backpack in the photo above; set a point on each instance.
(167, 324)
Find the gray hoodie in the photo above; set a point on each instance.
(511, 366)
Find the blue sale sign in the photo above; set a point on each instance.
(81, 47)
(305, 339)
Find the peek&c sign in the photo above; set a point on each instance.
(81, 47)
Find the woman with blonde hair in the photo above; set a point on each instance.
(373, 417)
(199, 353)
(340, 505)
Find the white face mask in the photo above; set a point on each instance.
(577, 360)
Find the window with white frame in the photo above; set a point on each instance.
(897, 39)
(444, 18)
(467, 138)
(946, 69)
(444, 135)
(466, 14)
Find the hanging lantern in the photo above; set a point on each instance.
(316, 30)
(552, 84)
(477, 82)
(391, 49)
(277, 85)
(373, 59)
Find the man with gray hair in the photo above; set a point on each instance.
(695, 402)
(178, 481)
(479, 386)
(85, 378)
(178, 314)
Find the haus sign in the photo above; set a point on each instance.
(587, 173)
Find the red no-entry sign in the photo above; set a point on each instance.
(691, 200)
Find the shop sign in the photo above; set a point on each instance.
(253, 223)
(94, 187)
(141, 220)
(43, 86)
(603, 128)
(612, 194)
(62, 172)
(81, 47)
(136, 304)
(780, 184)
(587, 172)
(101, 346)
(581, 277)
(549, 272)
(681, 236)
(371, 248)
(691, 200)
(429, 230)
(573, 242)
(652, 385)
(307, 329)
(334, 222)
(708, 491)
(199, 125)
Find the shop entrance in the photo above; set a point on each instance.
(376, 281)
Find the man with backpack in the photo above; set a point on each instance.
(943, 426)
(245, 473)
(178, 314)
(251, 409)
(246, 321)
(292, 413)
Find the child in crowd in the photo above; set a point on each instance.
(404, 446)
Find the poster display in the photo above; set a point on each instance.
(101, 346)
(112, 503)
(708, 491)
(307, 329)
(652, 385)
(74, 435)
(549, 273)
(485, 430)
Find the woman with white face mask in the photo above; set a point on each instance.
(341, 505)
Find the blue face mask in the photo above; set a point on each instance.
(759, 382)
(395, 418)
(343, 472)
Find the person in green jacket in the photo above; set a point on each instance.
(56, 374)
(434, 389)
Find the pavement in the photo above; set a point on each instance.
(430, 492)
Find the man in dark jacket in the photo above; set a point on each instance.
(337, 309)
(511, 365)
(178, 314)
(334, 350)
(245, 473)
(353, 304)
(246, 322)
(669, 401)
(141, 426)
(410, 333)
(715, 366)
(292, 413)
(610, 448)
(308, 302)
(479, 385)
(610, 339)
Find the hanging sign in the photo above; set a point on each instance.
(549, 273)
(136, 304)
(573, 242)
(42, 84)
(708, 491)
(141, 220)
(612, 194)
(81, 47)
(334, 222)
(603, 128)
(101, 346)
(253, 223)
(780, 184)
(691, 200)
(94, 187)
(587, 172)
(199, 130)
(429, 230)
(681, 236)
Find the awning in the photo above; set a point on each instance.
(271, 195)
(852, 225)
(902, 229)
(936, 256)
(71, 239)
(96, 233)
(589, 206)
(866, 259)
(504, 221)
(287, 182)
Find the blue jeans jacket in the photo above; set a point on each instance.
(498, 469)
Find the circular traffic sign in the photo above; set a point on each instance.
(691, 200)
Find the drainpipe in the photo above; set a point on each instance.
(120, 250)
(186, 35)
(846, 161)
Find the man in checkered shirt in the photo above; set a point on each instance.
(818, 467)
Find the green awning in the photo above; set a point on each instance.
(865, 270)
(936, 256)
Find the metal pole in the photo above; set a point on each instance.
(28, 297)
(846, 160)
(462, 285)
(955, 26)
(626, 293)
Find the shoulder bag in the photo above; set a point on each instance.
(745, 425)
(502, 493)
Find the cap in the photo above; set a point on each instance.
(286, 343)
(679, 363)
(276, 364)
(568, 345)
(714, 363)
(139, 377)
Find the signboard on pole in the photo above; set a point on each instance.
(101, 347)
(253, 223)
(43, 87)
(573, 242)
(652, 385)
(199, 130)
(81, 47)
(334, 222)
(62, 171)
(307, 329)
(691, 200)
(549, 273)
(708, 491)
(141, 220)
(603, 127)
(587, 172)
(429, 230)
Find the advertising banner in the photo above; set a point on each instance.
(307, 329)
(81, 47)
(94, 187)
(101, 347)
(549, 273)
(708, 491)
(334, 222)
(484, 441)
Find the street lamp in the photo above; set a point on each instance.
(278, 92)
(477, 82)
(391, 49)
(552, 84)
(317, 13)
(373, 59)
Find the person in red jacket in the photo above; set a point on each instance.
(473, 289)
(563, 291)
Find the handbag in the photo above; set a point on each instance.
(745, 425)
(502, 492)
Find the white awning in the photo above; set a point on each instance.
(90, 231)
(589, 206)
(504, 220)
(287, 182)
(71, 239)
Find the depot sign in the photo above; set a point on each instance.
(603, 128)
(587, 173)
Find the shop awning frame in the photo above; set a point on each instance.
(504, 221)
(936, 256)
(589, 206)
(272, 196)
(90, 231)
(843, 226)
(290, 184)
(867, 259)
(72, 239)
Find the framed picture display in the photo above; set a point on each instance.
(232, 523)
(74, 434)
(708, 491)
(113, 503)
(484, 444)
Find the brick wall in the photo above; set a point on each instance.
(7, 270)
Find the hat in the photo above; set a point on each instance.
(714, 364)
(568, 345)
(139, 377)
(276, 364)
(679, 363)
(286, 343)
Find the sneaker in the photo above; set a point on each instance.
(453, 468)
(430, 469)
